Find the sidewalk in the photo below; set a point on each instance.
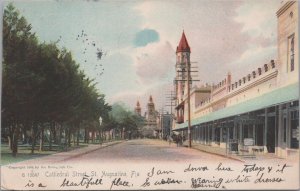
(243, 158)
(64, 156)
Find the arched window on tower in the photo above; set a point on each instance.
(183, 73)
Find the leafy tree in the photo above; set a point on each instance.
(124, 121)
(43, 88)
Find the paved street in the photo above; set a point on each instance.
(134, 160)
(146, 150)
(142, 151)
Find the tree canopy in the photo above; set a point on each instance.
(41, 82)
(122, 119)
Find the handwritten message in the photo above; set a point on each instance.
(148, 176)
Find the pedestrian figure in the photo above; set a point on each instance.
(169, 139)
(179, 140)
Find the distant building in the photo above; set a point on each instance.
(165, 124)
(151, 113)
(260, 111)
(138, 109)
(150, 128)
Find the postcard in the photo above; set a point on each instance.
(150, 95)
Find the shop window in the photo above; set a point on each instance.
(224, 134)
(250, 131)
(294, 104)
(245, 131)
(271, 109)
(231, 133)
(217, 135)
(295, 129)
(253, 74)
(259, 134)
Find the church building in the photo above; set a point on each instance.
(150, 128)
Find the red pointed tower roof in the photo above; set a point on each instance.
(183, 44)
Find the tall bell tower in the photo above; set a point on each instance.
(151, 115)
(183, 52)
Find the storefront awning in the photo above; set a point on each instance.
(275, 97)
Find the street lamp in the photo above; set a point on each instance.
(100, 136)
(100, 120)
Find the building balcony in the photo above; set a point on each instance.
(180, 119)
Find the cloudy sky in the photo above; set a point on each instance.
(139, 39)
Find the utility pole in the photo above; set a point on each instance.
(189, 105)
(161, 121)
(189, 80)
(172, 97)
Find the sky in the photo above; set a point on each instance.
(139, 40)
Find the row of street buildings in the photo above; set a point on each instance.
(257, 113)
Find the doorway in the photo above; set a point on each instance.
(271, 134)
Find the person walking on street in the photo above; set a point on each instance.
(169, 139)
(179, 140)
